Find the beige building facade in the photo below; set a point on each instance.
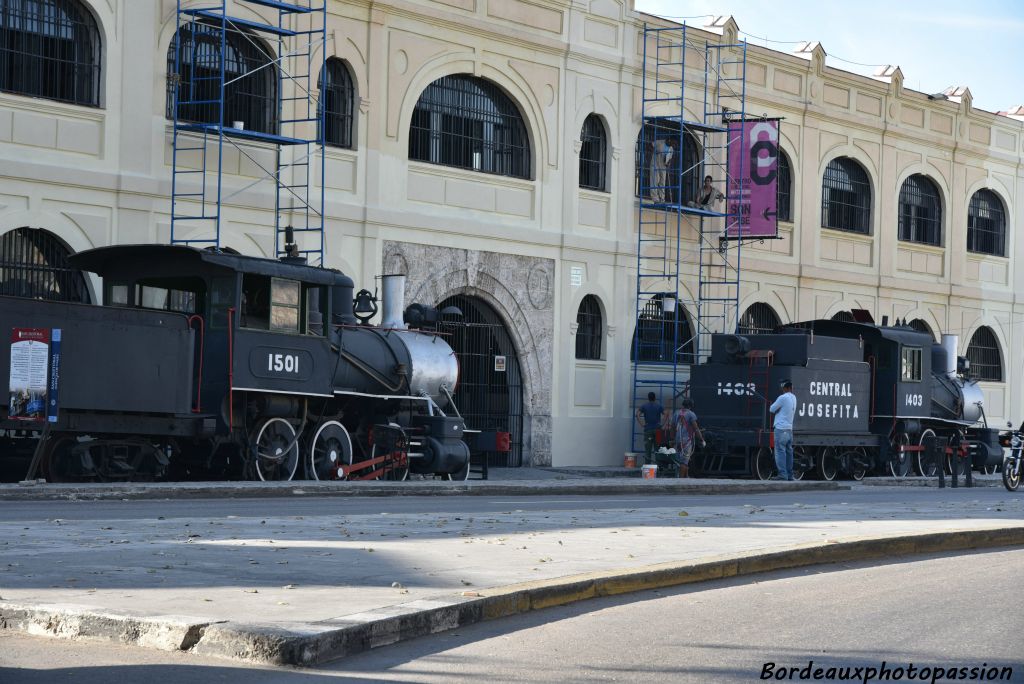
(532, 244)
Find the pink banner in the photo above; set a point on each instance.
(753, 179)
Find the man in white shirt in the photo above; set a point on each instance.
(784, 408)
(659, 170)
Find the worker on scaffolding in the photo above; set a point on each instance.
(707, 197)
(660, 161)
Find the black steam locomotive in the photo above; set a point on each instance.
(204, 363)
(868, 399)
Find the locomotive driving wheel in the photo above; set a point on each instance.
(923, 462)
(276, 450)
(856, 463)
(56, 464)
(899, 460)
(763, 464)
(828, 462)
(330, 448)
(953, 459)
(399, 466)
(803, 460)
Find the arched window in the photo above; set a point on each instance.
(920, 325)
(34, 263)
(846, 197)
(983, 354)
(593, 154)
(50, 49)
(784, 195)
(758, 319)
(662, 336)
(589, 329)
(920, 211)
(469, 123)
(843, 317)
(338, 103)
(250, 79)
(683, 171)
(986, 224)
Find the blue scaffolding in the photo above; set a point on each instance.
(678, 234)
(217, 60)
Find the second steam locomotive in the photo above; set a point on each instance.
(869, 397)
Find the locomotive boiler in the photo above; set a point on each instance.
(206, 363)
(868, 398)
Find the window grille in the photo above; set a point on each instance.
(843, 317)
(250, 79)
(846, 197)
(922, 326)
(593, 154)
(469, 123)
(338, 105)
(758, 319)
(34, 263)
(983, 354)
(986, 224)
(684, 171)
(784, 186)
(50, 49)
(920, 211)
(589, 329)
(663, 337)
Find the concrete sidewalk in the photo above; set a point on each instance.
(303, 589)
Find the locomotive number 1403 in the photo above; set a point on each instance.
(283, 363)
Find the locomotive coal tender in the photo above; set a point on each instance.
(205, 363)
(868, 398)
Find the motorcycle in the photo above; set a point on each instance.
(1011, 461)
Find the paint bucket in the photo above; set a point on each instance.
(630, 460)
(649, 472)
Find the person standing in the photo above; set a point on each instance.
(649, 417)
(659, 170)
(688, 434)
(784, 408)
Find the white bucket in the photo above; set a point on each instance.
(649, 472)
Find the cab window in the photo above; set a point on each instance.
(273, 304)
(911, 364)
(284, 305)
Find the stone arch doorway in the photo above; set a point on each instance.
(490, 390)
(34, 263)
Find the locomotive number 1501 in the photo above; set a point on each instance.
(283, 363)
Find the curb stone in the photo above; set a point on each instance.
(928, 482)
(590, 487)
(165, 632)
(313, 643)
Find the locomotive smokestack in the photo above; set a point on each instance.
(950, 343)
(393, 301)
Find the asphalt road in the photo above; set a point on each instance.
(945, 611)
(14, 511)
